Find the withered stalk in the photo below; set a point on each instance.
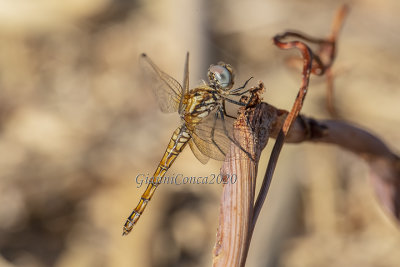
(236, 209)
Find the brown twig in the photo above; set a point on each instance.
(384, 164)
(317, 63)
(336, 28)
(325, 54)
(291, 116)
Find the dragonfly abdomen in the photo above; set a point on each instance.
(175, 146)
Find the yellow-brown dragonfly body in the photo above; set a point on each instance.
(205, 125)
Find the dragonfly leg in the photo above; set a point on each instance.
(241, 93)
(224, 109)
(230, 138)
(236, 91)
(212, 134)
(236, 102)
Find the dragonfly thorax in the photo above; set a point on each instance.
(199, 103)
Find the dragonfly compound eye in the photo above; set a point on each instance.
(221, 75)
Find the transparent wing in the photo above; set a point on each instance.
(185, 81)
(168, 91)
(213, 136)
(198, 154)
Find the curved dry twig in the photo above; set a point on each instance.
(312, 63)
(384, 163)
(291, 116)
(325, 54)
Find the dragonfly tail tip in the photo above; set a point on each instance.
(125, 231)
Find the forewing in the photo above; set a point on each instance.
(185, 82)
(168, 91)
(213, 135)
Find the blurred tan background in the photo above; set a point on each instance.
(77, 125)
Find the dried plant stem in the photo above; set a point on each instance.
(383, 163)
(232, 234)
(237, 201)
(235, 227)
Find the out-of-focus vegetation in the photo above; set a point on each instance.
(77, 125)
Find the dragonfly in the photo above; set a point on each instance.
(205, 124)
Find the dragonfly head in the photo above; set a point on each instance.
(221, 76)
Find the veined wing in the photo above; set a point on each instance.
(185, 82)
(168, 91)
(197, 153)
(214, 134)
